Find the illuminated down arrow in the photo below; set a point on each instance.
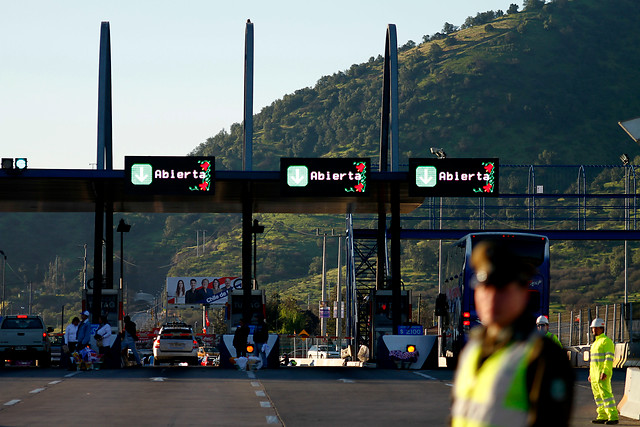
(426, 176)
(297, 176)
(141, 176)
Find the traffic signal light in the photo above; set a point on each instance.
(13, 165)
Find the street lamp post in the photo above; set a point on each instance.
(4, 267)
(632, 128)
(440, 154)
(123, 227)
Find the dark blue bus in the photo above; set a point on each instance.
(457, 306)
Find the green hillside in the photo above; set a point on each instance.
(543, 86)
(555, 78)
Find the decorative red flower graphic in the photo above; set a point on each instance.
(360, 167)
(204, 186)
(489, 167)
(487, 188)
(359, 188)
(205, 166)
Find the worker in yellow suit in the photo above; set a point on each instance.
(600, 369)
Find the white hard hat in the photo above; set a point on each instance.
(597, 323)
(542, 320)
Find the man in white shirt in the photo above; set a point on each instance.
(104, 332)
(71, 335)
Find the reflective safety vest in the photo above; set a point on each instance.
(495, 394)
(553, 338)
(601, 357)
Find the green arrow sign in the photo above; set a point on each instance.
(141, 174)
(297, 176)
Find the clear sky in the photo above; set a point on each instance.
(177, 67)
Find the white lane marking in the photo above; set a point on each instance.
(429, 377)
(12, 402)
(265, 404)
(449, 384)
(272, 419)
(158, 379)
(55, 382)
(37, 390)
(251, 375)
(72, 374)
(346, 380)
(260, 393)
(255, 383)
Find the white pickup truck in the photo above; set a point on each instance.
(24, 337)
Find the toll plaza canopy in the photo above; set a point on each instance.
(76, 190)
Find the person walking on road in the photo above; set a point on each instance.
(542, 323)
(84, 331)
(600, 369)
(508, 374)
(129, 338)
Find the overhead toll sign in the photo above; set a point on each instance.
(454, 177)
(324, 176)
(169, 175)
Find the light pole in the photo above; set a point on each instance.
(632, 128)
(4, 267)
(123, 227)
(440, 154)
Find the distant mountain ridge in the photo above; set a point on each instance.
(553, 79)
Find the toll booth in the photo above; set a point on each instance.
(111, 305)
(381, 313)
(234, 308)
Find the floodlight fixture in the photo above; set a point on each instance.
(625, 159)
(438, 152)
(632, 128)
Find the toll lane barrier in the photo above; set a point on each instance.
(633, 356)
(629, 405)
(620, 355)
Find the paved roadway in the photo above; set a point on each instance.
(179, 396)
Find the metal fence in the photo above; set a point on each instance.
(572, 327)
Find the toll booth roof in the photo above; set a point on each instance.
(76, 190)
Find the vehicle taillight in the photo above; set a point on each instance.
(195, 344)
(22, 316)
(466, 316)
(156, 344)
(44, 336)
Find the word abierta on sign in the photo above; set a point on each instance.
(169, 175)
(324, 176)
(452, 177)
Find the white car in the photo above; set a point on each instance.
(175, 343)
(323, 352)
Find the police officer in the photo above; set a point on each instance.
(542, 323)
(600, 368)
(508, 374)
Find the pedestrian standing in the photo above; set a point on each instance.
(240, 338)
(71, 335)
(508, 374)
(103, 335)
(600, 369)
(129, 338)
(84, 331)
(542, 323)
(260, 338)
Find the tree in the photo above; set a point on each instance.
(513, 8)
(449, 28)
(532, 4)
